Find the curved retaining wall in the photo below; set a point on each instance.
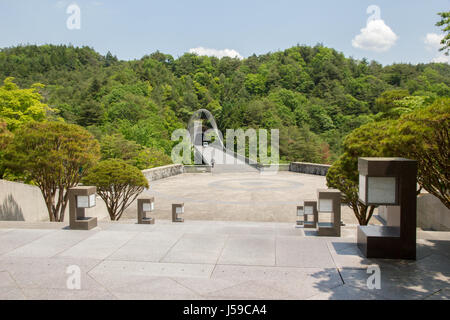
(309, 168)
(24, 202)
(163, 172)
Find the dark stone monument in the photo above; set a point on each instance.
(389, 181)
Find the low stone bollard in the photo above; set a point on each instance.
(145, 205)
(80, 199)
(177, 209)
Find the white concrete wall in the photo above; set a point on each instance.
(23, 202)
(432, 213)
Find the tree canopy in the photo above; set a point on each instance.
(19, 106)
(421, 133)
(54, 156)
(445, 24)
(314, 94)
(118, 184)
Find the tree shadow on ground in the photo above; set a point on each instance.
(428, 277)
(10, 210)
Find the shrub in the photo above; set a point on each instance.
(118, 184)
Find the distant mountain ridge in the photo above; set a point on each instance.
(314, 95)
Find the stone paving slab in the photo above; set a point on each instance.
(7, 285)
(292, 283)
(347, 292)
(249, 250)
(17, 238)
(205, 287)
(426, 247)
(346, 254)
(250, 290)
(407, 281)
(99, 245)
(303, 253)
(143, 286)
(63, 294)
(247, 230)
(211, 260)
(44, 225)
(156, 296)
(443, 294)
(48, 273)
(12, 294)
(50, 245)
(133, 268)
(197, 248)
(146, 246)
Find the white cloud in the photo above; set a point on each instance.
(433, 43)
(216, 53)
(441, 58)
(433, 40)
(376, 36)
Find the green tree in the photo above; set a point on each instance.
(118, 184)
(366, 141)
(445, 24)
(19, 106)
(150, 158)
(300, 144)
(255, 84)
(117, 147)
(423, 135)
(147, 99)
(320, 120)
(5, 139)
(5, 135)
(388, 99)
(55, 156)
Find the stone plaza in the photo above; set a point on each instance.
(238, 241)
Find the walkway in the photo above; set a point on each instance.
(209, 260)
(237, 196)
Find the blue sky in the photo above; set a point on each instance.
(404, 31)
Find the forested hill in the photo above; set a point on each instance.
(314, 95)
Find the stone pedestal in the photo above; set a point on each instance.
(329, 200)
(299, 223)
(314, 214)
(175, 215)
(78, 219)
(142, 215)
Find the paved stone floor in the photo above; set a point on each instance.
(242, 196)
(209, 260)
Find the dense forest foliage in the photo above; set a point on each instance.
(314, 95)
